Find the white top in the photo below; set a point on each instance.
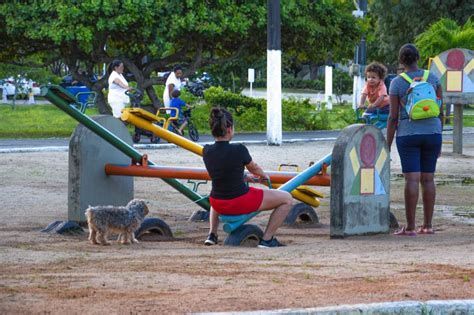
(116, 92)
(172, 79)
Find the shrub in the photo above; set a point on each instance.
(217, 96)
(296, 114)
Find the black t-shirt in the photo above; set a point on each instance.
(225, 163)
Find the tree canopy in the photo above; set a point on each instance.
(443, 35)
(398, 22)
(152, 35)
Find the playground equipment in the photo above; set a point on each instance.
(455, 70)
(147, 121)
(359, 176)
(66, 102)
(378, 119)
(246, 234)
(166, 117)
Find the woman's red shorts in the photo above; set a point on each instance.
(250, 202)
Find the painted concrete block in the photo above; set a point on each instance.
(360, 182)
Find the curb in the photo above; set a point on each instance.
(154, 146)
(464, 307)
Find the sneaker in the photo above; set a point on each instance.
(273, 242)
(211, 240)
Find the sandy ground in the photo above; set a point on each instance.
(56, 274)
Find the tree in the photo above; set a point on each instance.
(443, 35)
(398, 22)
(150, 36)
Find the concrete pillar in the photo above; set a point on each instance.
(88, 184)
(457, 128)
(360, 182)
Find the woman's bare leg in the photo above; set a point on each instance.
(213, 221)
(412, 183)
(428, 191)
(279, 200)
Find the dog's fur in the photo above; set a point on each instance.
(123, 220)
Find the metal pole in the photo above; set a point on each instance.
(52, 94)
(306, 174)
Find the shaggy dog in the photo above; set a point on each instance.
(123, 220)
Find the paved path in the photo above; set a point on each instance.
(62, 144)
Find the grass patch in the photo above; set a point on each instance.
(38, 121)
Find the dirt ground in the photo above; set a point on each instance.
(56, 274)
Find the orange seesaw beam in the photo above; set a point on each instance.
(201, 173)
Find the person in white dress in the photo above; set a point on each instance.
(117, 87)
(172, 83)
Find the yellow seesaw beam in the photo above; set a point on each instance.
(145, 120)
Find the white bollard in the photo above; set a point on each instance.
(328, 87)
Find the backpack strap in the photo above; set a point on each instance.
(424, 78)
(406, 77)
(426, 73)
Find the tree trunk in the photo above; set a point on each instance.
(100, 101)
(153, 97)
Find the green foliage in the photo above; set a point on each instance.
(250, 114)
(398, 22)
(443, 35)
(342, 81)
(217, 96)
(36, 122)
(297, 115)
(290, 82)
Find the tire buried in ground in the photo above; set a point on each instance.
(153, 229)
(302, 214)
(247, 235)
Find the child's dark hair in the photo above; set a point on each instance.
(114, 64)
(378, 68)
(408, 55)
(219, 121)
(175, 93)
(177, 67)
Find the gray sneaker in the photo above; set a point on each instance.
(273, 242)
(211, 240)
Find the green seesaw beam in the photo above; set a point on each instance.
(65, 101)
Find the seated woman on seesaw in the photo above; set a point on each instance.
(225, 163)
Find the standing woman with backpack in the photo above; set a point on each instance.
(418, 123)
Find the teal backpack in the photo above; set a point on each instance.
(422, 101)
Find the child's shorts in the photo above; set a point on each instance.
(419, 153)
(250, 202)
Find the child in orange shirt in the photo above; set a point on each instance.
(375, 90)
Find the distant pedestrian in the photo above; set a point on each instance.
(117, 87)
(173, 82)
(419, 130)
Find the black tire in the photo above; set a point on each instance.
(154, 139)
(136, 137)
(193, 133)
(302, 214)
(153, 229)
(393, 221)
(247, 235)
